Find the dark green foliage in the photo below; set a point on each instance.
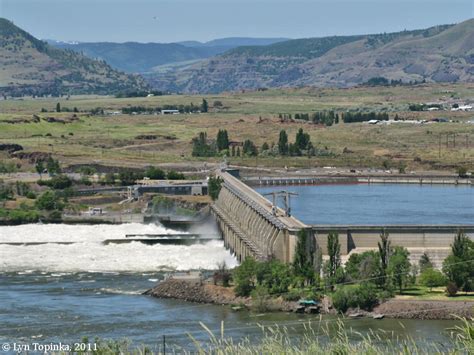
(304, 258)
(384, 252)
(204, 106)
(249, 148)
(19, 216)
(451, 289)
(222, 140)
(155, 173)
(459, 265)
(129, 177)
(52, 166)
(201, 148)
(425, 262)
(49, 201)
(214, 186)
(174, 175)
(334, 252)
(275, 276)
(302, 139)
(265, 146)
(364, 266)
(362, 296)
(58, 107)
(244, 277)
(283, 143)
(350, 117)
(399, 267)
(58, 182)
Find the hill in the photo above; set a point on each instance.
(133, 57)
(437, 54)
(33, 67)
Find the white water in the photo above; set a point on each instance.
(90, 255)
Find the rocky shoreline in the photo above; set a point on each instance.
(201, 292)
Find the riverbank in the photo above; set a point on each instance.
(202, 292)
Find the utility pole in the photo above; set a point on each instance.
(286, 195)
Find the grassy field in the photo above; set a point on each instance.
(436, 294)
(112, 139)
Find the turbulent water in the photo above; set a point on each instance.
(88, 253)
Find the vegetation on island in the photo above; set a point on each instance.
(363, 282)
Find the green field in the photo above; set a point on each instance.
(112, 139)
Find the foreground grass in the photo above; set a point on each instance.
(316, 339)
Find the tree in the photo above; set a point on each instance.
(39, 167)
(58, 107)
(155, 173)
(283, 143)
(49, 201)
(222, 140)
(265, 146)
(459, 265)
(432, 278)
(244, 277)
(204, 106)
(302, 139)
(384, 252)
(399, 267)
(201, 148)
(214, 186)
(249, 148)
(52, 166)
(174, 175)
(425, 262)
(334, 264)
(304, 257)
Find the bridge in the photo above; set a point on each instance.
(251, 226)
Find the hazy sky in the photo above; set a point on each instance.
(177, 20)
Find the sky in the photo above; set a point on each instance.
(180, 20)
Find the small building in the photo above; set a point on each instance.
(373, 121)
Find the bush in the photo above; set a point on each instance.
(174, 175)
(432, 278)
(31, 195)
(58, 182)
(361, 296)
(260, 299)
(49, 201)
(451, 289)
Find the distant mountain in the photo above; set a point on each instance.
(233, 42)
(136, 57)
(33, 67)
(440, 54)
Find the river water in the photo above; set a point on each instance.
(60, 293)
(378, 204)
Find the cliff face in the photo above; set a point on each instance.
(438, 54)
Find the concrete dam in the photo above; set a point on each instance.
(252, 226)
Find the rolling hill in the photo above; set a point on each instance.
(440, 54)
(29, 66)
(133, 57)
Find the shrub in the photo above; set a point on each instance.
(58, 182)
(451, 289)
(362, 296)
(260, 299)
(174, 175)
(31, 195)
(432, 278)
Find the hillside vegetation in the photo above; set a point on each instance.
(437, 54)
(32, 67)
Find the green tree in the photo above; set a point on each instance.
(222, 140)
(52, 166)
(459, 265)
(334, 270)
(58, 107)
(174, 175)
(249, 148)
(214, 186)
(304, 258)
(302, 139)
(245, 277)
(265, 146)
(204, 106)
(384, 253)
(201, 148)
(425, 262)
(432, 278)
(39, 167)
(155, 173)
(399, 267)
(49, 201)
(283, 143)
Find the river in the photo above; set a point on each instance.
(380, 204)
(61, 293)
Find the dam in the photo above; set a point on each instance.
(252, 226)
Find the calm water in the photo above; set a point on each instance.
(374, 204)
